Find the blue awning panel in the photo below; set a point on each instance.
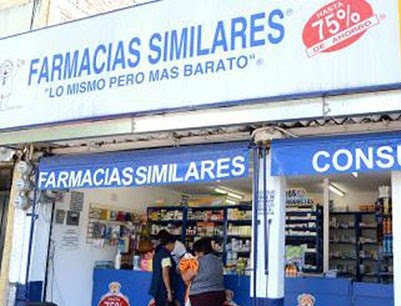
(339, 154)
(191, 164)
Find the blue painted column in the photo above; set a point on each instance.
(267, 282)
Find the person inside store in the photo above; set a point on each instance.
(179, 248)
(164, 266)
(206, 283)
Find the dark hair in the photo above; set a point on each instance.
(162, 234)
(203, 245)
(165, 240)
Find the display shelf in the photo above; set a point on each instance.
(167, 207)
(206, 236)
(310, 222)
(342, 242)
(206, 221)
(193, 216)
(342, 258)
(111, 225)
(342, 228)
(368, 259)
(374, 243)
(385, 236)
(301, 237)
(364, 225)
(338, 213)
(240, 222)
(165, 221)
(206, 208)
(301, 213)
(292, 221)
(300, 229)
(357, 219)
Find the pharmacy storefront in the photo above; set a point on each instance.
(362, 244)
(257, 201)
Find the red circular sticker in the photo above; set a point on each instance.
(337, 25)
(113, 301)
(114, 297)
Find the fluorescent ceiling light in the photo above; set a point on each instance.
(229, 193)
(336, 190)
(231, 202)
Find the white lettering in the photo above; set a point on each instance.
(176, 178)
(238, 163)
(399, 155)
(170, 173)
(348, 162)
(62, 179)
(159, 175)
(42, 178)
(51, 181)
(207, 167)
(361, 157)
(141, 175)
(87, 179)
(75, 179)
(96, 180)
(315, 161)
(223, 164)
(114, 178)
(192, 172)
(385, 153)
(128, 177)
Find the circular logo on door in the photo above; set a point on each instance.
(114, 297)
(306, 300)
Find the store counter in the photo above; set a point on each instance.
(135, 286)
(325, 291)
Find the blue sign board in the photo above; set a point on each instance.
(192, 164)
(341, 154)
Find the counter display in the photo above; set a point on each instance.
(131, 288)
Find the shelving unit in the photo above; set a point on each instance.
(304, 226)
(107, 226)
(361, 253)
(385, 236)
(228, 226)
(170, 218)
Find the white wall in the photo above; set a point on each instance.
(40, 242)
(72, 281)
(15, 19)
(354, 199)
(351, 199)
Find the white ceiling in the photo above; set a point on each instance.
(365, 182)
(241, 185)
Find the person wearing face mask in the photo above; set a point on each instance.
(206, 284)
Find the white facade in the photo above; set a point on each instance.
(18, 19)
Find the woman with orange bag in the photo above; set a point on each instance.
(205, 278)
